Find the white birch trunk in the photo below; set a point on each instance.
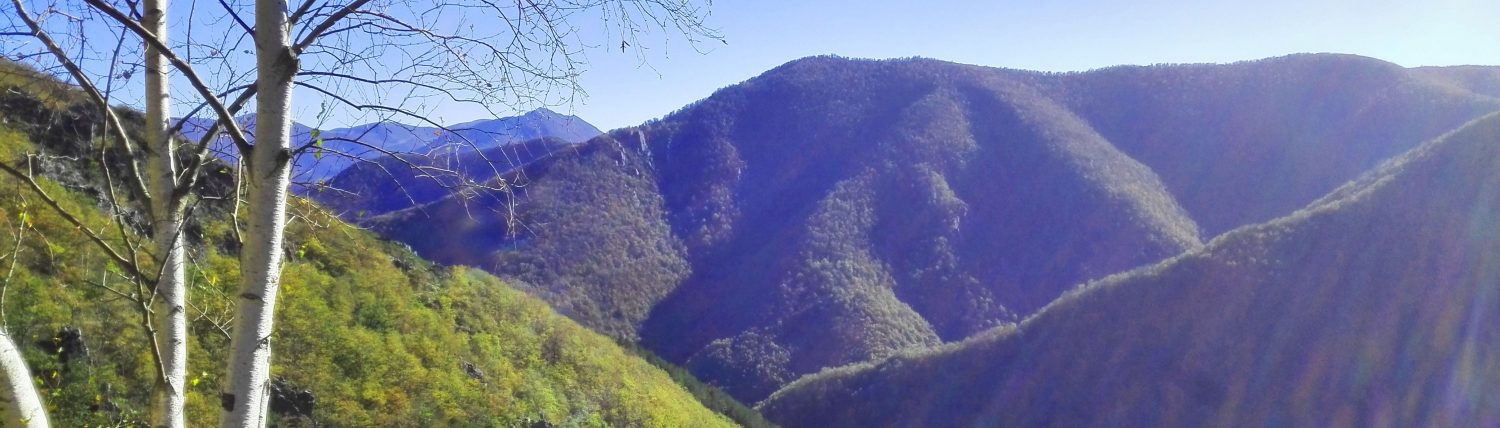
(244, 397)
(168, 399)
(22, 407)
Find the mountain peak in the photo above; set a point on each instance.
(543, 112)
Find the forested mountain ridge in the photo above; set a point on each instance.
(369, 334)
(1248, 142)
(833, 210)
(1372, 306)
(875, 220)
(1483, 80)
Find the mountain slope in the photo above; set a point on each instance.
(606, 257)
(1244, 143)
(1371, 307)
(832, 210)
(950, 201)
(368, 334)
(792, 222)
(1482, 80)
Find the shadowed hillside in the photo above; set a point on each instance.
(832, 211)
(1372, 307)
(863, 221)
(796, 222)
(1248, 142)
(590, 236)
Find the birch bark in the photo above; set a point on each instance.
(22, 406)
(168, 399)
(268, 175)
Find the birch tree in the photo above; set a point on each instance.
(166, 225)
(164, 192)
(385, 58)
(465, 66)
(22, 405)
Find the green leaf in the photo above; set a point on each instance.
(317, 142)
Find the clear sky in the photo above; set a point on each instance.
(1059, 35)
(1051, 35)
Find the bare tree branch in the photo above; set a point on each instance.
(225, 117)
(138, 180)
(36, 189)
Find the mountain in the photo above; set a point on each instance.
(1478, 79)
(488, 133)
(405, 180)
(1373, 306)
(832, 211)
(1248, 142)
(338, 152)
(368, 334)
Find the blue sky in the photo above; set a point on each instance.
(1056, 35)
(1039, 35)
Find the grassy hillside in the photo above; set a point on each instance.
(376, 335)
(1374, 306)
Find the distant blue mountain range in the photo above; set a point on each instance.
(342, 146)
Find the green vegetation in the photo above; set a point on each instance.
(378, 336)
(713, 398)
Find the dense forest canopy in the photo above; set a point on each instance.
(833, 211)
